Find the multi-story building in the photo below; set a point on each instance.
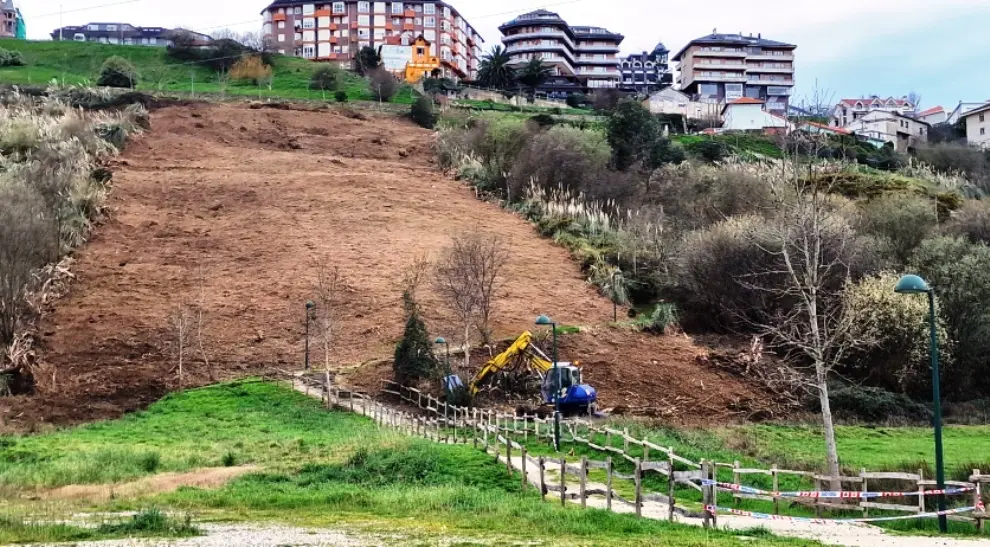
(582, 58)
(123, 33)
(723, 67)
(848, 111)
(647, 72)
(336, 31)
(904, 132)
(978, 126)
(11, 20)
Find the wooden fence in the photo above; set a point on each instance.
(494, 432)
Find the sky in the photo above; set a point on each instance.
(846, 48)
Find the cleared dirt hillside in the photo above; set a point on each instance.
(236, 205)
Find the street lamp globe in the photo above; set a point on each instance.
(544, 320)
(911, 284)
(440, 340)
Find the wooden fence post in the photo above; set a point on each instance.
(543, 484)
(776, 488)
(706, 495)
(584, 482)
(638, 477)
(670, 483)
(351, 397)
(736, 481)
(921, 491)
(608, 483)
(508, 455)
(866, 488)
(818, 488)
(977, 499)
(625, 440)
(563, 481)
(525, 478)
(646, 450)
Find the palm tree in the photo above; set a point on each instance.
(532, 75)
(495, 71)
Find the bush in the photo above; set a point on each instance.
(903, 220)
(368, 61)
(711, 150)
(220, 56)
(561, 157)
(11, 58)
(543, 120)
(892, 335)
(658, 319)
(577, 100)
(971, 221)
(607, 99)
(422, 112)
(341, 96)
(634, 135)
(872, 405)
(251, 68)
(326, 78)
(414, 359)
(951, 158)
(384, 86)
(117, 72)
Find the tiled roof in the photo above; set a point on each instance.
(867, 101)
(930, 111)
(735, 40)
(747, 100)
(829, 128)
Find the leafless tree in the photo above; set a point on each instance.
(328, 290)
(468, 275)
(202, 319)
(915, 99)
(182, 324)
(414, 275)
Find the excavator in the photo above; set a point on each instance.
(575, 397)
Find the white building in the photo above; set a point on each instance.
(904, 132)
(848, 111)
(962, 108)
(748, 114)
(933, 115)
(978, 126)
(671, 101)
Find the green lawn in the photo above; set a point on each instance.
(320, 468)
(78, 63)
(744, 145)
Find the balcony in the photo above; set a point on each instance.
(409, 13)
(334, 26)
(698, 77)
(768, 70)
(763, 81)
(408, 26)
(764, 57)
(354, 25)
(278, 17)
(723, 53)
(599, 49)
(555, 34)
(722, 66)
(322, 13)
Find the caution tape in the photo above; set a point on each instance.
(833, 494)
(711, 509)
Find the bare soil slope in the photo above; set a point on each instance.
(235, 205)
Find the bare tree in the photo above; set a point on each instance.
(202, 319)
(181, 322)
(327, 292)
(915, 99)
(469, 276)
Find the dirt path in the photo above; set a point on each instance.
(234, 207)
(211, 477)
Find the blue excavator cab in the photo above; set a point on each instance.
(575, 396)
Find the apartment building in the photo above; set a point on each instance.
(124, 33)
(336, 31)
(647, 72)
(582, 58)
(11, 20)
(723, 67)
(848, 111)
(890, 126)
(978, 127)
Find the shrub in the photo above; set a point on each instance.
(950, 158)
(658, 319)
(414, 357)
(26, 237)
(341, 96)
(894, 328)
(711, 150)
(325, 78)
(368, 61)
(632, 133)
(606, 99)
(872, 405)
(251, 68)
(384, 86)
(11, 58)
(543, 120)
(219, 56)
(117, 72)
(576, 100)
(149, 461)
(971, 221)
(903, 220)
(561, 157)
(422, 112)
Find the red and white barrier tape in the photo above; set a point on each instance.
(765, 516)
(833, 494)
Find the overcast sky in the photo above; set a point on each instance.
(851, 48)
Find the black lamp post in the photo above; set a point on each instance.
(542, 321)
(442, 340)
(913, 284)
(309, 312)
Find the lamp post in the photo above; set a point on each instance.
(913, 284)
(545, 320)
(309, 313)
(442, 340)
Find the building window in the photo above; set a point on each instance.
(281, 24)
(309, 22)
(429, 9)
(309, 9)
(430, 21)
(983, 117)
(152, 40)
(281, 37)
(379, 7)
(396, 7)
(297, 10)
(430, 35)
(111, 27)
(309, 52)
(339, 7)
(418, 22)
(364, 33)
(364, 7)
(364, 20)
(983, 131)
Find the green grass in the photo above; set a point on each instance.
(78, 63)
(504, 107)
(744, 145)
(321, 469)
(146, 523)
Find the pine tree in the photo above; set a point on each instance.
(414, 357)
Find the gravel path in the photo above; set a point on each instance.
(247, 535)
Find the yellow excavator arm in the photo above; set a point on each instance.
(523, 347)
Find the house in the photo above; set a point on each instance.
(11, 21)
(933, 115)
(581, 58)
(647, 72)
(978, 127)
(422, 64)
(671, 101)
(821, 129)
(718, 68)
(901, 130)
(336, 31)
(123, 33)
(848, 111)
(963, 107)
(747, 114)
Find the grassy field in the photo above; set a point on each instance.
(744, 145)
(79, 62)
(320, 469)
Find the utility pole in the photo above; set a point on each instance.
(60, 22)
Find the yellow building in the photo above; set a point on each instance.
(423, 63)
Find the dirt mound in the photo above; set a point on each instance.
(235, 206)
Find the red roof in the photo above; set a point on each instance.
(866, 101)
(930, 111)
(746, 100)
(830, 128)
